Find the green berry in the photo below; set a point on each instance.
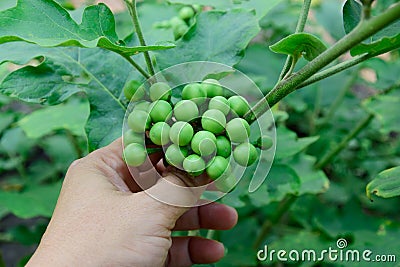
(175, 155)
(142, 105)
(180, 30)
(213, 121)
(238, 130)
(224, 147)
(133, 91)
(194, 165)
(213, 88)
(135, 154)
(139, 121)
(181, 133)
(160, 91)
(160, 110)
(217, 167)
(220, 103)
(225, 183)
(194, 92)
(265, 142)
(245, 154)
(132, 137)
(204, 143)
(176, 21)
(186, 13)
(159, 133)
(239, 105)
(186, 110)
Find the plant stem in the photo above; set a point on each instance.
(283, 207)
(131, 4)
(364, 30)
(301, 23)
(136, 66)
(331, 154)
(335, 69)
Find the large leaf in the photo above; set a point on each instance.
(352, 11)
(381, 46)
(71, 116)
(300, 44)
(259, 6)
(288, 144)
(386, 184)
(33, 202)
(47, 24)
(216, 36)
(67, 71)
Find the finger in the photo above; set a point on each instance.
(186, 251)
(212, 216)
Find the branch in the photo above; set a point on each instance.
(364, 30)
(131, 4)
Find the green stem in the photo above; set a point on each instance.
(364, 30)
(301, 23)
(283, 207)
(210, 234)
(335, 69)
(131, 4)
(136, 66)
(332, 153)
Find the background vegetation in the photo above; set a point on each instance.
(333, 137)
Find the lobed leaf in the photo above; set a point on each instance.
(386, 184)
(46, 23)
(288, 144)
(206, 42)
(300, 44)
(67, 71)
(71, 116)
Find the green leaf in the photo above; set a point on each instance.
(27, 235)
(312, 181)
(282, 180)
(300, 44)
(206, 42)
(14, 142)
(288, 144)
(352, 11)
(67, 71)
(46, 23)
(386, 184)
(33, 202)
(386, 110)
(384, 45)
(71, 116)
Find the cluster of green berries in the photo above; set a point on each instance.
(199, 133)
(181, 23)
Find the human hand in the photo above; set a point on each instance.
(98, 221)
